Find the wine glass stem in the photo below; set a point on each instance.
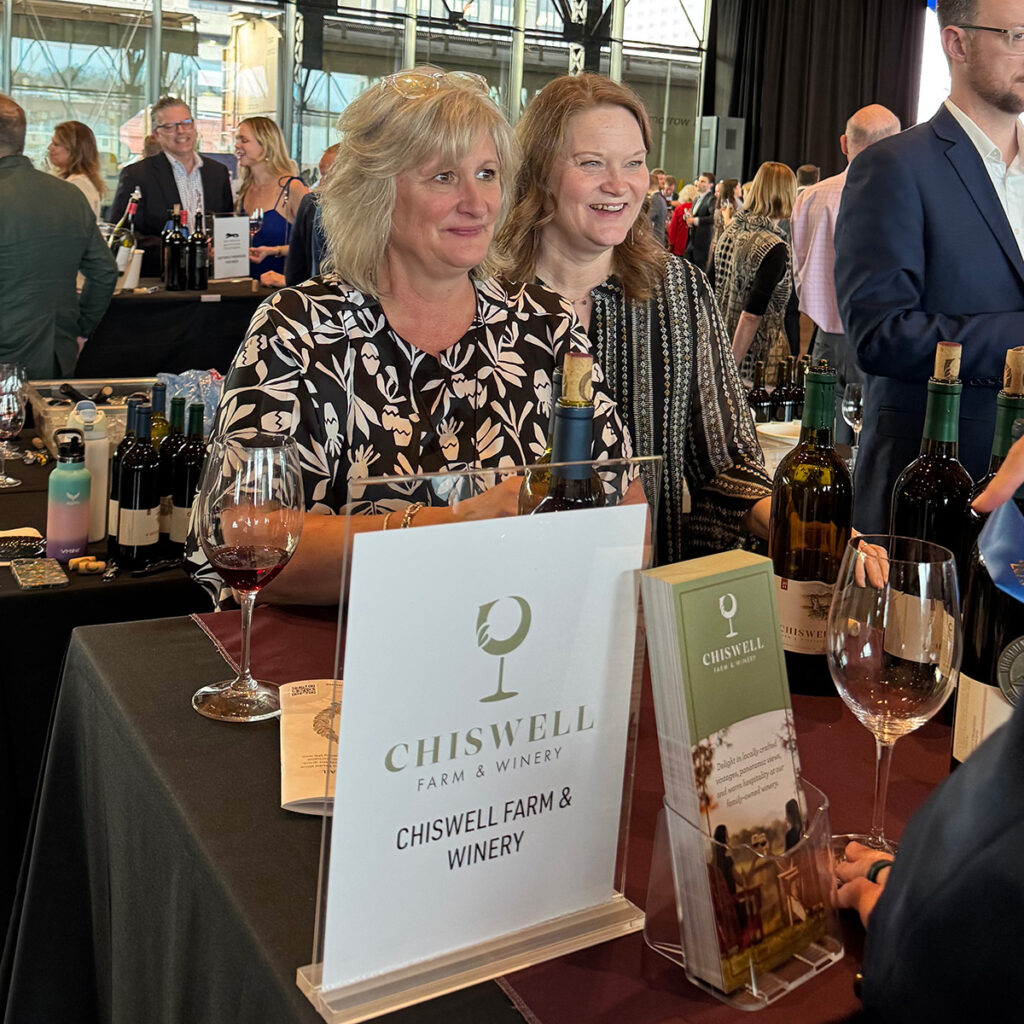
(883, 762)
(3, 461)
(245, 681)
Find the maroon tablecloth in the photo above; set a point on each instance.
(624, 981)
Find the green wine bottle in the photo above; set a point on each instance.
(811, 521)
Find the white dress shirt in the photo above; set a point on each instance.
(813, 228)
(1007, 181)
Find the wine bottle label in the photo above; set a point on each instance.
(112, 518)
(124, 253)
(919, 629)
(179, 523)
(803, 614)
(1010, 670)
(138, 527)
(165, 513)
(980, 710)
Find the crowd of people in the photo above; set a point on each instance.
(444, 265)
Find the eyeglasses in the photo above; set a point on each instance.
(410, 84)
(1013, 37)
(173, 126)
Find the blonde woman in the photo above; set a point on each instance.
(73, 155)
(269, 182)
(407, 355)
(754, 269)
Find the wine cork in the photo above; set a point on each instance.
(578, 379)
(947, 361)
(1013, 372)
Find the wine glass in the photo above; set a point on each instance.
(249, 521)
(255, 222)
(14, 378)
(894, 645)
(853, 413)
(12, 418)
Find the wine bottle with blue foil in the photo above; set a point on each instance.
(138, 520)
(159, 425)
(174, 254)
(930, 498)
(811, 523)
(131, 408)
(186, 471)
(573, 487)
(993, 658)
(535, 482)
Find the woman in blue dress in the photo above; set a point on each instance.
(269, 183)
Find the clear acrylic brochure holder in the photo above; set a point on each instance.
(790, 891)
(442, 971)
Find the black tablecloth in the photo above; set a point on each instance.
(166, 883)
(169, 332)
(36, 626)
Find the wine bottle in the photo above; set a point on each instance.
(1009, 407)
(184, 224)
(170, 447)
(535, 482)
(158, 402)
(572, 487)
(800, 387)
(186, 471)
(929, 500)
(131, 407)
(122, 238)
(174, 254)
(758, 398)
(811, 522)
(197, 258)
(993, 632)
(138, 521)
(782, 396)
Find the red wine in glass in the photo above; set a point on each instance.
(248, 568)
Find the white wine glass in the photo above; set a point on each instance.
(853, 413)
(894, 644)
(12, 419)
(249, 520)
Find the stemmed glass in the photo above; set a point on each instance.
(12, 418)
(249, 522)
(894, 645)
(255, 222)
(853, 413)
(14, 378)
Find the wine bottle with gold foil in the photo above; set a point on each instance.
(811, 521)
(535, 483)
(573, 487)
(930, 498)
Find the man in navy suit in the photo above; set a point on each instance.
(928, 249)
(177, 174)
(701, 220)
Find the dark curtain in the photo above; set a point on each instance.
(795, 70)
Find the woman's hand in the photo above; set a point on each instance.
(258, 253)
(272, 279)
(500, 500)
(1006, 481)
(860, 881)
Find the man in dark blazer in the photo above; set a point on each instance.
(177, 174)
(701, 220)
(928, 250)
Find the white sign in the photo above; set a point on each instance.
(230, 246)
(488, 671)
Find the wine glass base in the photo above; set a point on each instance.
(9, 481)
(839, 844)
(225, 704)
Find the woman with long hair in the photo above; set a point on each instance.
(269, 183)
(579, 227)
(754, 270)
(73, 155)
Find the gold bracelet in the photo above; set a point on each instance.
(411, 511)
(387, 519)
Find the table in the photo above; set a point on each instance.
(166, 883)
(170, 332)
(36, 627)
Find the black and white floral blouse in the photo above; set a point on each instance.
(321, 363)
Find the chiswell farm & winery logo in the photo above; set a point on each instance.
(727, 606)
(499, 648)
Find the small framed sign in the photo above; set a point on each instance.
(230, 246)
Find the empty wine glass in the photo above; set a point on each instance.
(12, 418)
(249, 521)
(853, 413)
(14, 378)
(894, 644)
